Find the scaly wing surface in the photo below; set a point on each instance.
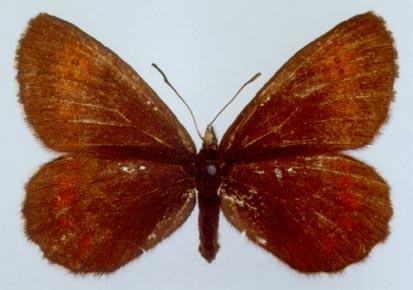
(317, 213)
(93, 214)
(334, 94)
(77, 95)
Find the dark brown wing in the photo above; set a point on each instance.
(333, 94)
(97, 213)
(316, 212)
(78, 94)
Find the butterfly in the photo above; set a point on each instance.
(129, 172)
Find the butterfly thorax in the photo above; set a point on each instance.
(208, 180)
(207, 163)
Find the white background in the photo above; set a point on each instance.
(208, 49)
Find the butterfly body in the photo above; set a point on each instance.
(128, 174)
(209, 167)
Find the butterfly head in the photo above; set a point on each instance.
(210, 137)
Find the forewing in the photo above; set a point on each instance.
(333, 94)
(317, 213)
(78, 94)
(94, 214)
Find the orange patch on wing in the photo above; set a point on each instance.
(75, 65)
(68, 181)
(66, 111)
(65, 198)
(349, 199)
(348, 108)
(347, 195)
(336, 66)
(345, 182)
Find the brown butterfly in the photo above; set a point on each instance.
(130, 171)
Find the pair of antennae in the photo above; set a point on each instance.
(189, 108)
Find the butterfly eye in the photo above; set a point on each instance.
(211, 169)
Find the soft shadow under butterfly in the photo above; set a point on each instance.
(130, 171)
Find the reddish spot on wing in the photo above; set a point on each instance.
(347, 222)
(66, 222)
(85, 241)
(341, 166)
(72, 165)
(346, 182)
(328, 243)
(347, 193)
(67, 192)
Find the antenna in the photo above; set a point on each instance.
(179, 96)
(189, 108)
(233, 98)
